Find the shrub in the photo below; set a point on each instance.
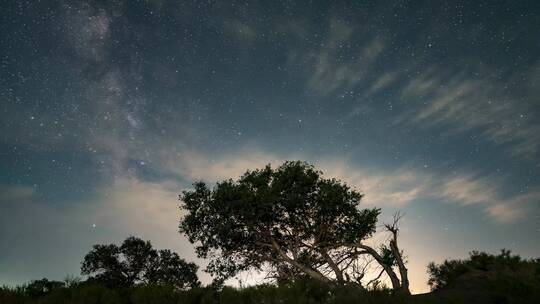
(502, 274)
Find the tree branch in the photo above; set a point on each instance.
(393, 228)
(393, 277)
(306, 269)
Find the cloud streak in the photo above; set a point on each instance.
(403, 186)
(10, 193)
(462, 103)
(331, 67)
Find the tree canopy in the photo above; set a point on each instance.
(136, 262)
(290, 221)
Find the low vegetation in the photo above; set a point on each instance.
(301, 291)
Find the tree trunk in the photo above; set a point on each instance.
(334, 266)
(401, 265)
(396, 285)
(307, 270)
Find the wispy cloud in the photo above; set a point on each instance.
(10, 193)
(383, 81)
(396, 188)
(469, 189)
(241, 31)
(461, 102)
(331, 67)
(403, 186)
(514, 208)
(194, 165)
(130, 205)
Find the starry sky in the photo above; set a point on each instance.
(110, 108)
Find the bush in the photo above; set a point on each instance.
(504, 274)
(153, 294)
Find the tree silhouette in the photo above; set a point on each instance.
(504, 270)
(290, 220)
(136, 262)
(42, 287)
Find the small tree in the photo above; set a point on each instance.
(290, 220)
(136, 262)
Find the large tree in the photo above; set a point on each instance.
(136, 262)
(290, 221)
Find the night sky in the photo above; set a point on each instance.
(109, 109)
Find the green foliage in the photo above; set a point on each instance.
(244, 224)
(387, 255)
(136, 262)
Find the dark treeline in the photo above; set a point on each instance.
(479, 279)
(299, 292)
(305, 232)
